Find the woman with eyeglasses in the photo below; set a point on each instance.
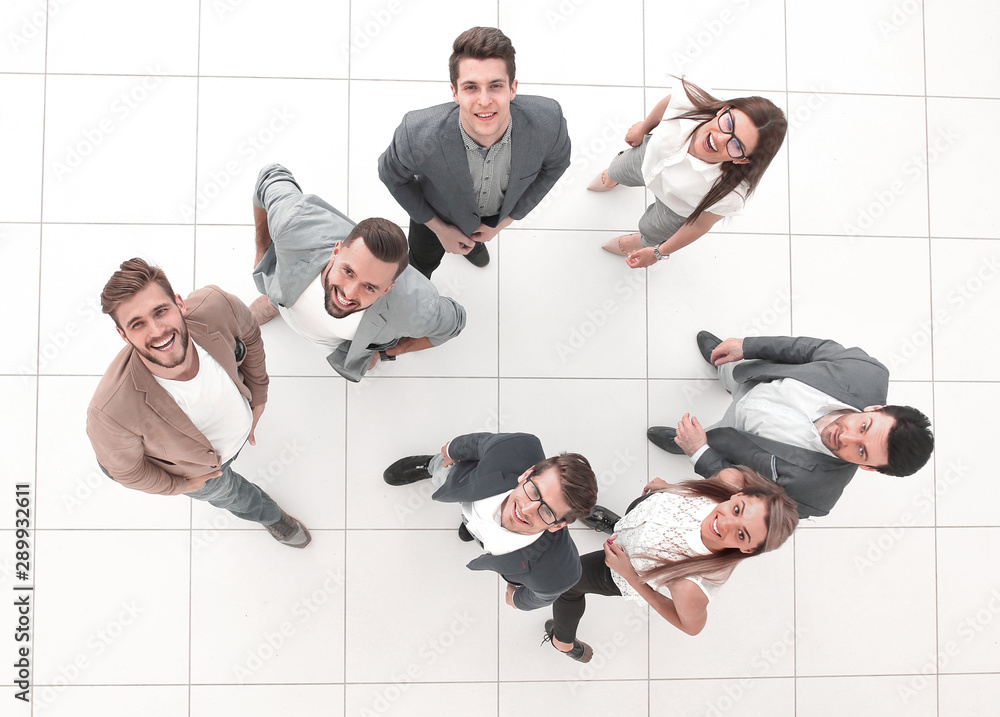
(701, 163)
(674, 547)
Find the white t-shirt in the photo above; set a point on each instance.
(675, 177)
(665, 526)
(214, 405)
(308, 318)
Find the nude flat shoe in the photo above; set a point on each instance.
(615, 247)
(598, 184)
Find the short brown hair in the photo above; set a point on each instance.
(132, 277)
(481, 43)
(577, 480)
(384, 239)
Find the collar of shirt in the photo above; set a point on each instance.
(471, 146)
(483, 520)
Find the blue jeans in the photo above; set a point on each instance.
(234, 493)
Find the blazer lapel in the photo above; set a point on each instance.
(453, 150)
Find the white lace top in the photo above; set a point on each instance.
(665, 526)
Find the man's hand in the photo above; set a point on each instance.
(510, 595)
(195, 484)
(447, 462)
(485, 233)
(255, 411)
(690, 435)
(452, 239)
(728, 351)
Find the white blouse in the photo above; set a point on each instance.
(677, 178)
(665, 526)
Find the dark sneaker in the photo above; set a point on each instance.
(464, 535)
(289, 531)
(602, 520)
(408, 470)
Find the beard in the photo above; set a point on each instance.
(171, 361)
(330, 304)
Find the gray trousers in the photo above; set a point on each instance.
(659, 223)
(231, 491)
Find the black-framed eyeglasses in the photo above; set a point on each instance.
(546, 513)
(727, 125)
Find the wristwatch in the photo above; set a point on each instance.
(658, 255)
(384, 356)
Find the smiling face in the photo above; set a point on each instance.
(740, 522)
(483, 94)
(709, 142)
(153, 323)
(860, 437)
(520, 514)
(354, 279)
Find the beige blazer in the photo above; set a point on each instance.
(140, 435)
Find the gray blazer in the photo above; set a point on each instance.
(490, 464)
(426, 168)
(814, 480)
(304, 230)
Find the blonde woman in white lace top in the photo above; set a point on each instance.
(675, 547)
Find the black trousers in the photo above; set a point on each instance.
(426, 251)
(568, 609)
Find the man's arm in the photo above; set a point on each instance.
(397, 169)
(253, 369)
(120, 452)
(796, 349)
(557, 160)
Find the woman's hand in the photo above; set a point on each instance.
(641, 257)
(634, 136)
(655, 484)
(616, 559)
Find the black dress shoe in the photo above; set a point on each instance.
(581, 652)
(407, 470)
(602, 520)
(464, 535)
(663, 437)
(479, 256)
(706, 344)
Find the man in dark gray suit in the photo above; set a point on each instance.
(342, 286)
(806, 413)
(516, 504)
(465, 171)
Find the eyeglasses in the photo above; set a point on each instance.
(546, 513)
(727, 125)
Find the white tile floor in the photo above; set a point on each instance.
(137, 128)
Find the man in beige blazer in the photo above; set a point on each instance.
(179, 401)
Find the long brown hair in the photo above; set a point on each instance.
(771, 127)
(782, 517)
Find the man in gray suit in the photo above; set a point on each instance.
(465, 171)
(806, 413)
(356, 298)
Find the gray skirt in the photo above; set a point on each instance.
(659, 223)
